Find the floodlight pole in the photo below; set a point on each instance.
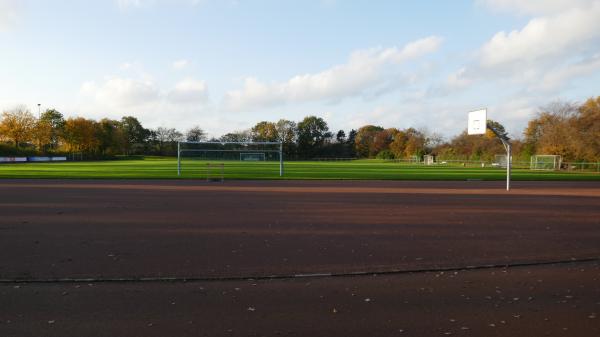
(179, 158)
(506, 142)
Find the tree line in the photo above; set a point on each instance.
(560, 128)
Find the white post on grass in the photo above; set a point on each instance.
(281, 159)
(179, 158)
(508, 167)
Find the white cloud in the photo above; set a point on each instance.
(8, 14)
(180, 64)
(545, 55)
(121, 92)
(189, 91)
(554, 79)
(132, 3)
(365, 70)
(126, 4)
(534, 7)
(575, 30)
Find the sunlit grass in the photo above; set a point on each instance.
(166, 168)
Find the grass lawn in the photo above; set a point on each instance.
(166, 168)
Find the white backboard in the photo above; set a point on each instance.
(477, 122)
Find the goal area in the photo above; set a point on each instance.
(193, 156)
(545, 162)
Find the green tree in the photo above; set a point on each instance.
(195, 134)
(236, 136)
(312, 132)
(135, 134)
(287, 132)
(340, 137)
(57, 123)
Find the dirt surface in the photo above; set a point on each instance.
(97, 231)
(538, 301)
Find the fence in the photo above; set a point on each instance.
(581, 166)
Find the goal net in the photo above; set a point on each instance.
(264, 157)
(545, 162)
(256, 156)
(500, 161)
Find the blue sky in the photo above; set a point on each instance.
(225, 65)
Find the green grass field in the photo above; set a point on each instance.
(166, 168)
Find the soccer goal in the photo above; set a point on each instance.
(193, 156)
(546, 162)
(500, 161)
(257, 156)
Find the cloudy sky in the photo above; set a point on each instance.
(225, 65)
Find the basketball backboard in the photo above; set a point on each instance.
(477, 122)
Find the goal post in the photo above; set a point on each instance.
(548, 162)
(232, 151)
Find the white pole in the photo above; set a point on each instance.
(508, 165)
(178, 158)
(281, 159)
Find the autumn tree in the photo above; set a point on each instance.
(81, 135)
(398, 145)
(17, 125)
(553, 130)
(42, 134)
(111, 138)
(586, 142)
(382, 140)
(363, 140)
(265, 132)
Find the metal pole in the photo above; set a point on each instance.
(178, 158)
(508, 165)
(281, 159)
(506, 142)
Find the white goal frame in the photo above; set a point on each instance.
(259, 154)
(254, 151)
(553, 162)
